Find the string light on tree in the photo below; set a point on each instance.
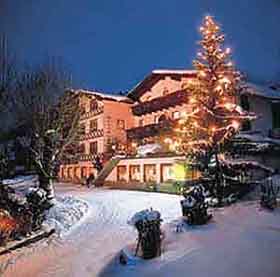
(216, 116)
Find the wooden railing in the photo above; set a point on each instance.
(160, 103)
(88, 157)
(92, 113)
(150, 130)
(92, 134)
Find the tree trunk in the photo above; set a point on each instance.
(219, 188)
(46, 184)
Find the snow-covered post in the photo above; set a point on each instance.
(147, 223)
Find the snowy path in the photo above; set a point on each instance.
(241, 240)
(93, 244)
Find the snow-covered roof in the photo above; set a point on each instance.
(106, 96)
(257, 137)
(173, 71)
(261, 91)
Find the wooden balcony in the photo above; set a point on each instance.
(92, 134)
(160, 103)
(92, 113)
(150, 130)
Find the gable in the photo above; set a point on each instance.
(160, 82)
(162, 87)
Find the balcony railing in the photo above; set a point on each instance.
(160, 103)
(92, 113)
(89, 157)
(150, 130)
(92, 134)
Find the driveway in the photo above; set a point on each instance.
(94, 243)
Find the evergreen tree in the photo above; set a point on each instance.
(215, 115)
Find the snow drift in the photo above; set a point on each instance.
(67, 213)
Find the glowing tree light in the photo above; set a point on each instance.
(216, 116)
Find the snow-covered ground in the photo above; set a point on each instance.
(21, 184)
(242, 240)
(67, 213)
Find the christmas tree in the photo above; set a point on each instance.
(215, 115)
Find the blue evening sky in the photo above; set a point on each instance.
(110, 45)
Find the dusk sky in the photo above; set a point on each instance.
(112, 45)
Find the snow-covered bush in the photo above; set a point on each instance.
(146, 149)
(37, 201)
(194, 206)
(144, 216)
(147, 223)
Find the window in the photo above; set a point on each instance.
(81, 148)
(141, 123)
(244, 102)
(165, 91)
(93, 125)
(176, 115)
(63, 173)
(83, 109)
(93, 147)
(93, 105)
(275, 107)
(69, 172)
(134, 173)
(150, 172)
(156, 119)
(121, 173)
(76, 170)
(83, 172)
(162, 118)
(120, 124)
(82, 129)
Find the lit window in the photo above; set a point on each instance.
(93, 147)
(176, 115)
(156, 119)
(93, 125)
(120, 124)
